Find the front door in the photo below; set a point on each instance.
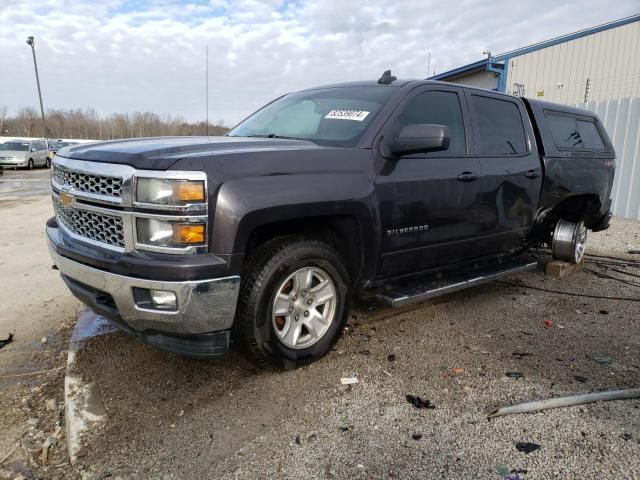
(428, 201)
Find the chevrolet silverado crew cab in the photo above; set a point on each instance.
(406, 189)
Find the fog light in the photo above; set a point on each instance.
(163, 299)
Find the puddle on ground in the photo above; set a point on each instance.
(22, 184)
(90, 325)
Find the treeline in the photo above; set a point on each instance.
(87, 124)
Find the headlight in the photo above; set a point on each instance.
(158, 191)
(162, 233)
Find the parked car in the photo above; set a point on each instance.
(54, 146)
(407, 189)
(24, 153)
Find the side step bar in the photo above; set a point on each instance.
(401, 296)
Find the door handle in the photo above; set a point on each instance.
(532, 174)
(468, 177)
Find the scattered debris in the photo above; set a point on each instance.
(602, 359)
(52, 405)
(457, 371)
(514, 375)
(604, 312)
(387, 373)
(298, 440)
(419, 402)
(349, 380)
(43, 340)
(416, 436)
(521, 355)
(626, 436)
(45, 449)
(559, 402)
(6, 341)
(548, 324)
(527, 447)
(344, 429)
(364, 352)
(391, 357)
(580, 378)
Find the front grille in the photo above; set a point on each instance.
(94, 226)
(89, 183)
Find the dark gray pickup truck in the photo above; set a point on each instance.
(407, 189)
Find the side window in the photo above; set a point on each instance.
(500, 127)
(572, 133)
(441, 108)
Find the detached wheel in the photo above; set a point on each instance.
(569, 240)
(293, 302)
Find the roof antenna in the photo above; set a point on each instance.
(386, 78)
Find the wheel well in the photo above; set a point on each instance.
(341, 231)
(573, 209)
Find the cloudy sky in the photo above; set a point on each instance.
(149, 55)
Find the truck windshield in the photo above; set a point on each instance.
(331, 116)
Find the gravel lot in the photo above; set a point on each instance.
(174, 418)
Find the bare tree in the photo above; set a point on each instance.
(88, 124)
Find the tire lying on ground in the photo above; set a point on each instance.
(569, 240)
(294, 302)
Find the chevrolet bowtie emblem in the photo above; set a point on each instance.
(66, 199)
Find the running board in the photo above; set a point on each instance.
(406, 295)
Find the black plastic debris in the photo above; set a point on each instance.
(391, 357)
(298, 439)
(626, 436)
(419, 402)
(6, 341)
(344, 429)
(416, 436)
(514, 375)
(604, 312)
(580, 378)
(364, 352)
(527, 447)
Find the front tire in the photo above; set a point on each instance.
(294, 302)
(30, 165)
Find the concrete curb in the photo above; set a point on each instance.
(84, 408)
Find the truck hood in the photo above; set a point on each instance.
(162, 152)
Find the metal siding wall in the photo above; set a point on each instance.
(483, 79)
(621, 118)
(610, 59)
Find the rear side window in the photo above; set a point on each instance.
(441, 108)
(573, 133)
(500, 127)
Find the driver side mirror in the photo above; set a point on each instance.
(420, 138)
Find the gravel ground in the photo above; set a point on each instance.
(177, 418)
(174, 418)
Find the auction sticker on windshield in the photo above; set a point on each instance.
(357, 115)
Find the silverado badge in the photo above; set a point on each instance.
(404, 230)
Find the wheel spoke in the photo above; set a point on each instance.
(292, 332)
(302, 280)
(323, 292)
(315, 323)
(281, 304)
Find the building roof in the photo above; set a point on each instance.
(536, 46)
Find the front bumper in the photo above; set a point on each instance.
(14, 163)
(199, 326)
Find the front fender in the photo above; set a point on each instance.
(242, 205)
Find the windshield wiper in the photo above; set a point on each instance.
(274, 135)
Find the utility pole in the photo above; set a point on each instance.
(207, 87)
(428, 63)
(31, 43)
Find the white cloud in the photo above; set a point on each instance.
(116, 57)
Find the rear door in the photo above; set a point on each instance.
(428, 201)
(511, 171)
